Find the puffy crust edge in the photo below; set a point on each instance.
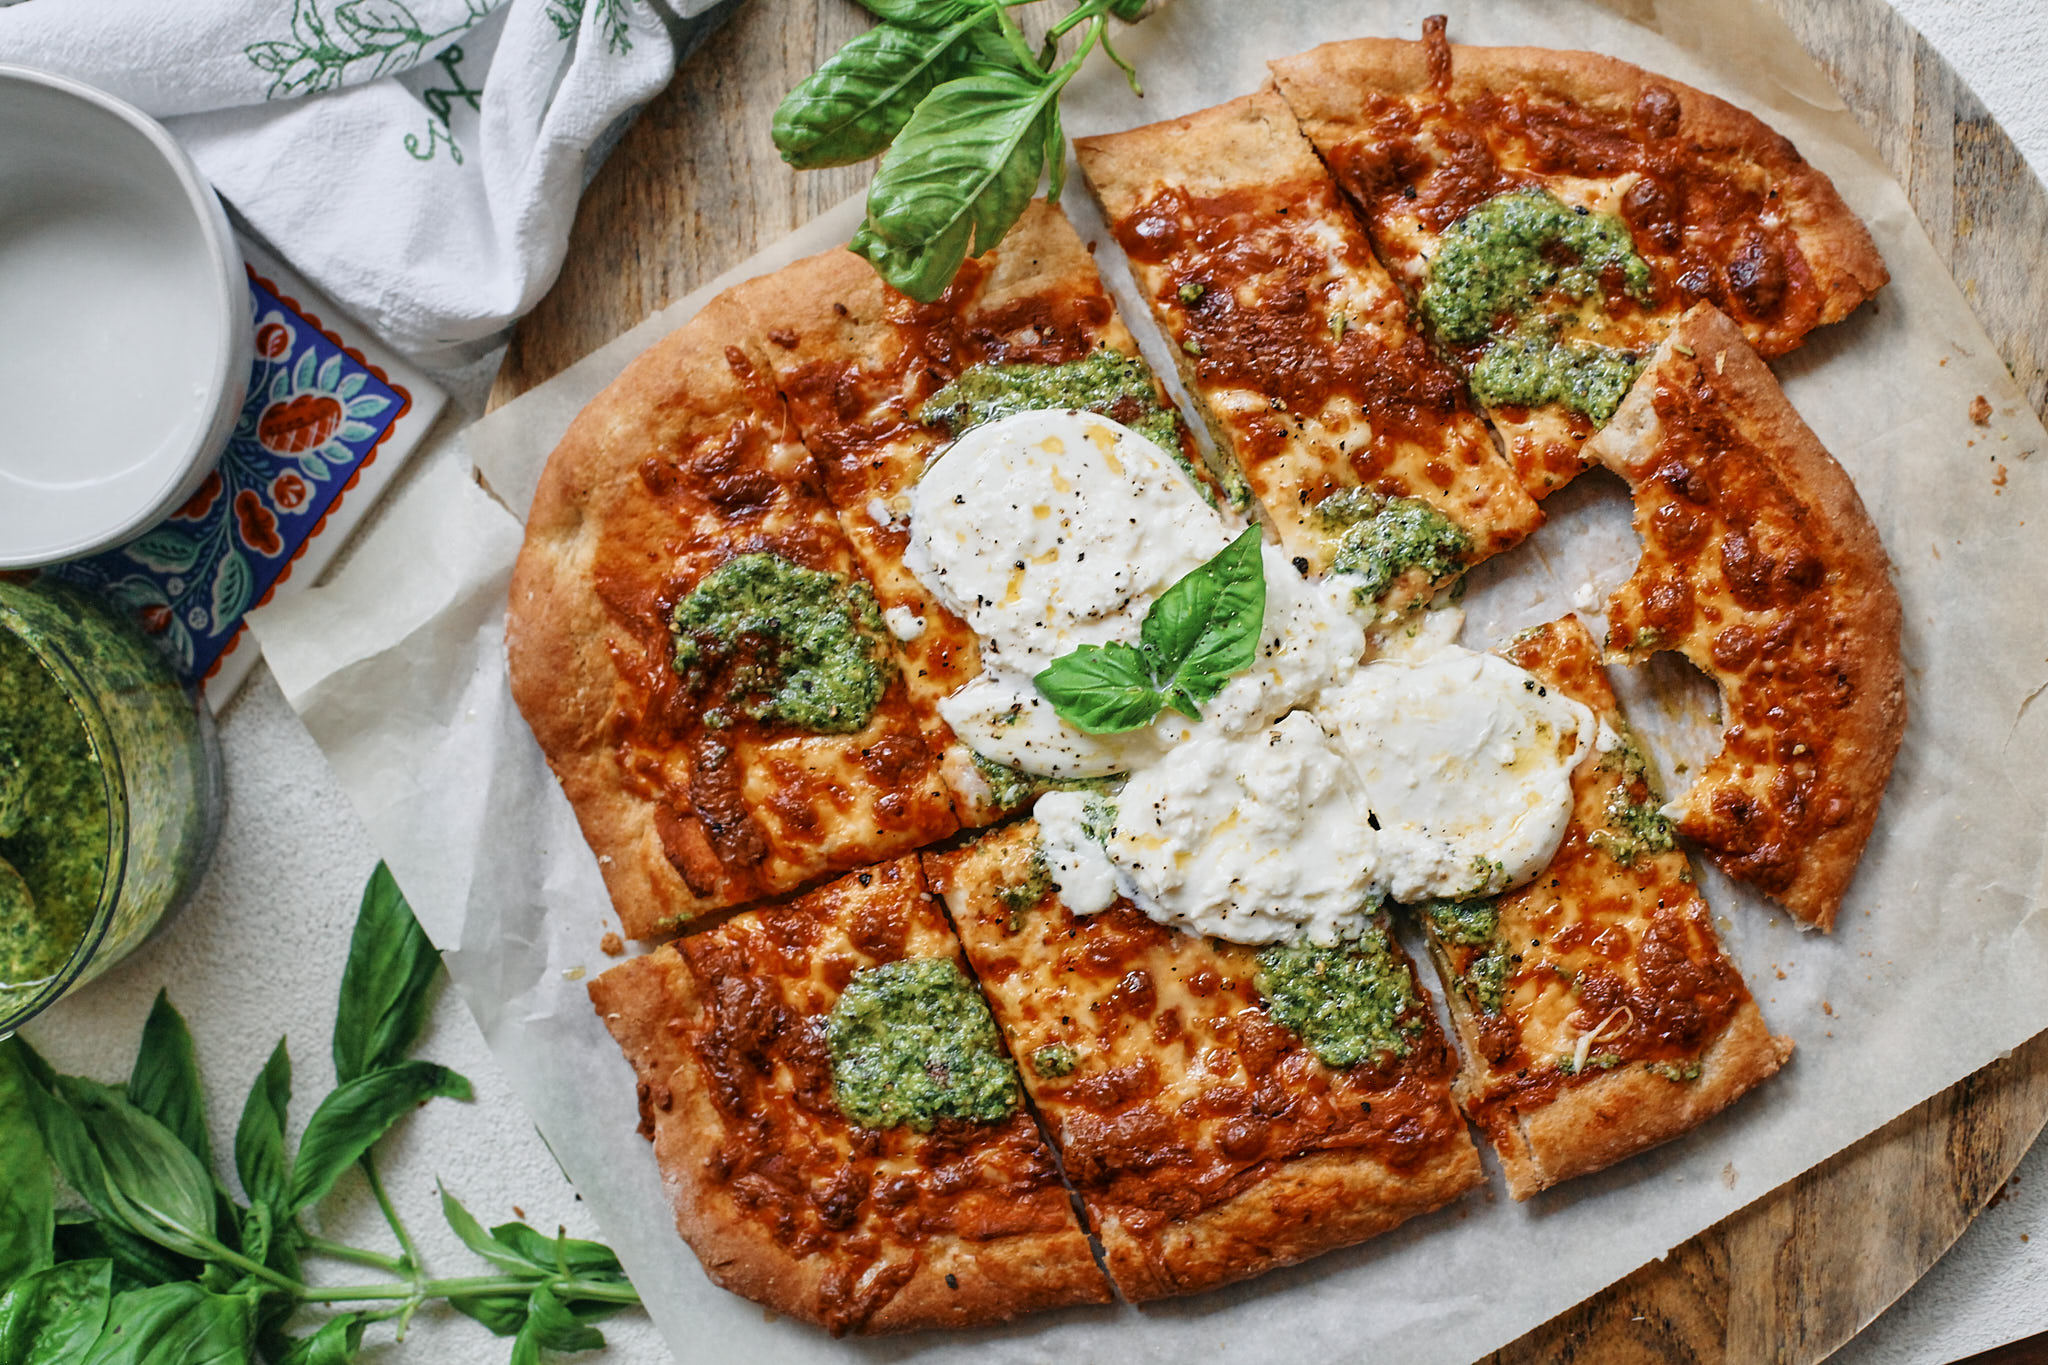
(1305, 1207)
(1325, 83)
(1871, 728)
(1597, 1122)
(995, 1281)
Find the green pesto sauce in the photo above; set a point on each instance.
(1485, 982)
(1010, 787)
(1470, 924)
(1634, 828)
(1677, 1072)
(1510, 267)
(819, 660)
(54, 830)
(1379, 539)
(912, 1042)
(1053, 1061)
(1017, 897)
(1351, 1003)
(1598, 1061)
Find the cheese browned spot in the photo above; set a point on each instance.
(782, 1197)
(1761, 566)
(1599, 1015)
(1720, 207)
(1294, 340)
(684, 464)
(1207, 1142)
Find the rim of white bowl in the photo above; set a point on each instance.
(233, 347)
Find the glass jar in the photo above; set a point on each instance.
(110, 792)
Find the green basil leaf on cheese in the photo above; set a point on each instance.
(1101, 689)
(1206, 627)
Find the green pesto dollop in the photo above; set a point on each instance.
(1029, 890)
(1378, 539)
(1053, 1061)
(798, 646)
(1353, 1002)
(1470, 924)
(1485, 981)
(1677, 1072)
(912, 1042)
(1507, 272)
(1107, 382)
(53, 811)
(1634, 828)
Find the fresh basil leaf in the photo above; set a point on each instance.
(53, 1316)
(853, 106)
(176, 1324)
(385, 985)
(138, 1263)
(1055, 138)
(503, 1314)
(27, 1194)
(164, 1082)
(552, 1326)
(956, 179)
(1102, 689)
(560, 1254)
(1206, 627)
(129, 1167)
(482, 1243)
(259, 1138)
(336, 1343)
(351, 1119)
(923, 13)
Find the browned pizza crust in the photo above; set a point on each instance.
(685, 461)
(1292, 338)
(782, 1198)
(1611, 943)
(857, 361)
(1761, 566)
(1206, 1142)
(1721, 207)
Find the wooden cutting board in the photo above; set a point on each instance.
(696, 187)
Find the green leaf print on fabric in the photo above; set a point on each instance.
(349, 43)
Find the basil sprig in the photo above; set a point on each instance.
(165, 1266)
(1196, 635)
(968, 114)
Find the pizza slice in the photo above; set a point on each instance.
(1220, 1109)
(839, 1128)
(1554, 213)
(1761, 566)
(1296, 343)
(878, 384)
(696, 648)
(1598, 1014)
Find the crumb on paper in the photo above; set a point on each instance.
(1781, 973)
(519, 1213)
(572, 973)
(612, 945)
(1997, 478)
(1827, 1009)
(1980, 410)
(1729, 1175)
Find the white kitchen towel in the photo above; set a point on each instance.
(419, 160)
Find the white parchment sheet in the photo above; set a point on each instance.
(1937, 966)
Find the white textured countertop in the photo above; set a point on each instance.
(259, 953)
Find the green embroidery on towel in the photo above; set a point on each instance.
(351, 42)
(567, 17)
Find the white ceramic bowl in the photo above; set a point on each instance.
(124, 321)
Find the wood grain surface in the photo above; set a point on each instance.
(696, 186)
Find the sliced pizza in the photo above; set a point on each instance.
(1598, 1014)
(1761, 566)
(1554, 213)
(1297, 345)
(1220, 1109)
(840, 1131)
(695, 646)
(878, 383)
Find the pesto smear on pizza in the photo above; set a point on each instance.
(912, 1042)
(1352, 1002)
(1379, 539)
(1523, 274)
(792, 646)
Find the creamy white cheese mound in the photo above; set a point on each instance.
(1260, 838)
(1467, 761)
(1047, 530)
(1078, 865)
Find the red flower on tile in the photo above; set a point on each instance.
(288, 490)
(298, 424)
(273, 340)
(258, 523)
(155, 618)
(200, 503)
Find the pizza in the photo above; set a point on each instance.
(944, 1208)
(1220, 1110)
(1598, 1014)
(1553, 214)
(1761, 566)
(1299, 350)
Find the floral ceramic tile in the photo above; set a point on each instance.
(328, 420)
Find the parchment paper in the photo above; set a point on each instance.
(397, 668)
